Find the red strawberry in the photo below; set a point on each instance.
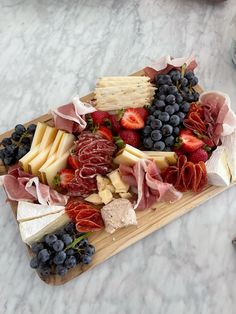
(105, 132)
(99, 117)
(199, 155)
(209, 142)
(178, 151)
(73, 161)
(132, 119)
(143, 112)
(66, 175)
(130, 137)
(189, 142)
(115, 123)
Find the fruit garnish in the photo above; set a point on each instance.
(66, 176)
(99, 117)
(188, 142)
(143, 112)
(130, 137)
(105, 132)
(132, 119)
(198, 155)
(73, 161)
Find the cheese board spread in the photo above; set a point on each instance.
(104, 171)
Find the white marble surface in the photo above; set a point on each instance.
(50, 50)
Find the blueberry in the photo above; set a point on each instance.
(2, 154)
(167, 149)
(6, 141)
(36, 247)
(11, 150)
(66, 238)
(59, 258)
(8, 161)
(170, 99)
(164, 116)
(70, 228)
(148, 143)
(179, 98)
(196, 96)
(34, 263)
(156, 113)
(181, 115)
(185, 107)
(159, 104)
(183, 82)
(70, 252)
(169, 141)
(22, 151)
(167, 130)
(159, 146)
(173, 90)
(193, 81)
(86, 259)
(161, 97)
(156, 135)
(20, 129)
(26, 140)
(70, 262)
(152, 110)
(170, 109)
(16, 137)
(58, 246)
(149, 119)
(43, 255)
(84, 242)
(61, 270)
(175, 76)
(185, 89)
(164, 89)
(176, 131)
(31, 128)
(174, 120)
(44, 271)
(176, 107)
(189, 75)
(147, 130)
(49, 239)
(90, 250)
(156, 124)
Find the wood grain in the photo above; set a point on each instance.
(148, 221)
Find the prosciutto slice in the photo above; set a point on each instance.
(22, 186)
(167, 63)
(71, 117)
(146, 180)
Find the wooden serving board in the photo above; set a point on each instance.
(148, 220)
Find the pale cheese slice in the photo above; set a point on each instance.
(94, 199)
(135, 151)
(106, 196)
(56, 143)
(28, 211)
(161, 162)
(50, 172)
(218, 172)
(36, 163)
(48, 137)
(39, 133)
(33, 230)
(117, 182)
(24, 161)
(170, 156)
(47, 163)
(126, 158)
(67, 141)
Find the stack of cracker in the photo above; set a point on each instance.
(118, 92)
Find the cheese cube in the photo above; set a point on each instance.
(94, 199)
(106, 196)
(117, 182)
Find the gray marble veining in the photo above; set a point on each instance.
(50, 50)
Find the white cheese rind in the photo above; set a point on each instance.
(28, 211)
(218, 172)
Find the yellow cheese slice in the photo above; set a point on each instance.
(48, 162)
(24, 161)
(48, 137)
(117, 182)
(50, 172)
(170, 156)
(135, 151)
(38, 135)
(126, 158)
(38, 161)
(66, 143)
(161, 162)
(56, 142)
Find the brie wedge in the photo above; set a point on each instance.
(28, 211)
(229, 143)
(33, 230)
(217, 168)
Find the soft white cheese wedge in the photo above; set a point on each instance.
(229, 143)
(33, 230)
(217, 168)
(28, 211)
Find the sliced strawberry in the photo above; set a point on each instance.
(105, 132)
(199, 155)
(66, 175)
(73, 162)
(143, 112)
(130, 137)
(132, 119)
(115, 123)
(99, 117)
(189, 142)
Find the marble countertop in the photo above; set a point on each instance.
(50, 50)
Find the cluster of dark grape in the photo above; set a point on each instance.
(18, 145)
(172, 101)
(59, 252)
